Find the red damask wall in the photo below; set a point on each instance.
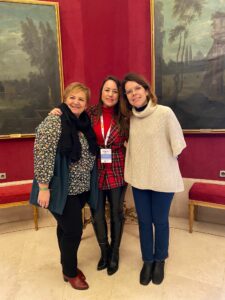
(110, 37)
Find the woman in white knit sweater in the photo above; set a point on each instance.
(151, 168)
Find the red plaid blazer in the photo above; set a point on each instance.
(110, 176)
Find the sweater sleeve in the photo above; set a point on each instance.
(45, 146)
(176, 136)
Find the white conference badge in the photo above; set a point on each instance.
(106, 155)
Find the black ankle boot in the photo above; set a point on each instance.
(158, 272)
(103, 262)
(146, 273)
(116, 235)
(113, 262)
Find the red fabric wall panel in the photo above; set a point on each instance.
(16, 159)
(116, 40)
(71, 23)
(110, 37)
(204, 156)
(105, 41)
(139, 37)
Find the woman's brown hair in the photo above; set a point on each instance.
(119, 118)
(126, 107)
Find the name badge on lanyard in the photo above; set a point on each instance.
(106, 156)
(106, 153)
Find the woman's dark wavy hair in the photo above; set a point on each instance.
(117, 113)
(126, 107)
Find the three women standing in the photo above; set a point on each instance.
(151, 168)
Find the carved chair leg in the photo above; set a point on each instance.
(35, 215)
(191, 216)
(85, 216)
(196, 213)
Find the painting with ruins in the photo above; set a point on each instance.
(189, 56)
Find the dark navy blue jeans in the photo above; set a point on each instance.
(153, 210)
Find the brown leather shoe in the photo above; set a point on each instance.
(77, 282)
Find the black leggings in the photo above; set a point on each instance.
(69, 232)
(116, 199)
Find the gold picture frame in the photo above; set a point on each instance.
(188, 63)
(31, 77)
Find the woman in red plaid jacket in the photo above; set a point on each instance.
(110, 130)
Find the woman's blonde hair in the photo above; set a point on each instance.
(77, 86)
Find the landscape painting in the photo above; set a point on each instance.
(31, 80)
(189, 61)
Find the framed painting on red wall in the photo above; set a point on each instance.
(188, 55)
(31, 76)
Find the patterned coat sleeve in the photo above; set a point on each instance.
(47, 137)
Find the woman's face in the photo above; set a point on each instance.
(110, 94)
(77, 102)
(136, 94)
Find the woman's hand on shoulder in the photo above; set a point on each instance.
(55, 112)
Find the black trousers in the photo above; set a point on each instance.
(115, 198)
(69, 232)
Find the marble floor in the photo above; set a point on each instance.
(29, 267)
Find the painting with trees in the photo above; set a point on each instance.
(189, 61)
(31, 80)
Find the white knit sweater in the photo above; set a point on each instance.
(155, 141)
